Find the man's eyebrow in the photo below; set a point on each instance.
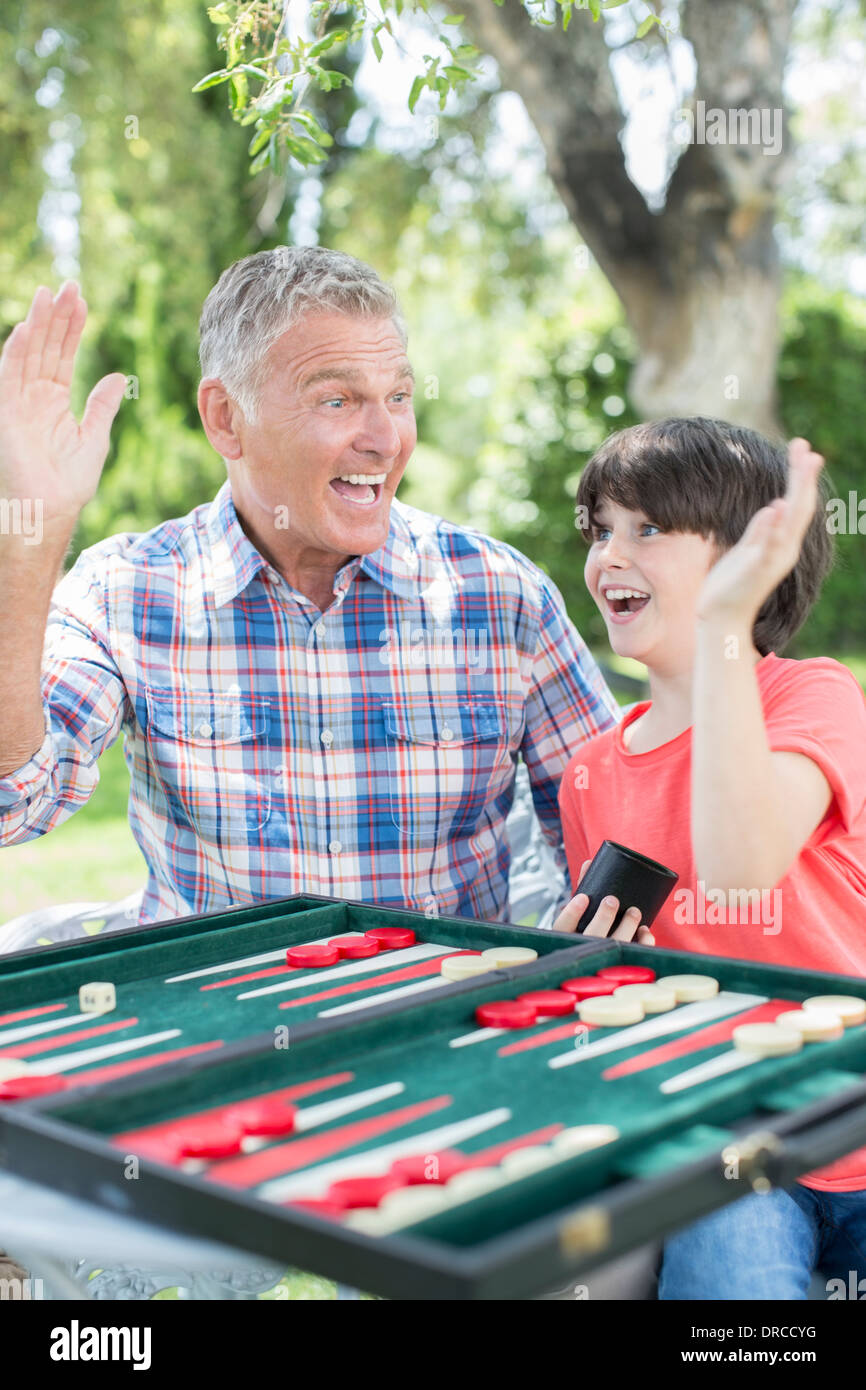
(352, 375)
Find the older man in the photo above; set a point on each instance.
(320, 688)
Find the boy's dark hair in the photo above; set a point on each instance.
(709, 478)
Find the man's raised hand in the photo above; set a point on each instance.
(44, 452)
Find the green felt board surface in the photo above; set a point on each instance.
(657, 1131)
(138, 963)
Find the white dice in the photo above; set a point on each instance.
(99, 997)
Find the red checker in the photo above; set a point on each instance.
(27, 1087)
(421, 1169)
(314, 954)
(210, 1139)
(355, 947)
(266, 1116)
(588, 986)
(392, 938)
(550, 1003)
(318, 1206)
(628, 974)
(167, 1148)
(349, 1193)
(507, 1013)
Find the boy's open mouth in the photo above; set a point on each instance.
(362, 489)
(624, 603)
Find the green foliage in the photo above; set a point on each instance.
(165, 205)
(287, 66)
(286, 69)
(549, 418)
(822, 368)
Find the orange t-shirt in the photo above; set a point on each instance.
(815, 919)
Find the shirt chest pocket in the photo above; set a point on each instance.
(446, 761)
(210, 754)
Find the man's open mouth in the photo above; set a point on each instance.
(363, 489)
(625, 603)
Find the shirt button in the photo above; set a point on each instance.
(320, 629)
(327, 737)
(446, 734)
(334, 847)
(205, 730)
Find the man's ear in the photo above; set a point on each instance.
(221, 416)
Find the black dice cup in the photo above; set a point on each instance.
(631, 878)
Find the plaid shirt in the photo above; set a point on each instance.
(365, 753)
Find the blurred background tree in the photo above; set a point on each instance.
(115, 172)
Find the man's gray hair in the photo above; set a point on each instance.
(258, 298)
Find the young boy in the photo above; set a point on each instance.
(745, 773)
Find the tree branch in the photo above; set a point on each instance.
(731, 188)
(566, 85)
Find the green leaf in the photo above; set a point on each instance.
(613, 4)
(259, 141)
(417, 88)
(272, 97)
(265, 158)
(238, 95)
(305, 151)
(377, 47)
(322, 46)
(645, 26)
(454, 19)
(327, 78)
(213, 79)
(311, 125)
(594, 9)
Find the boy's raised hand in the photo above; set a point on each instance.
(629, 929)
(746, 575)
(44, 452)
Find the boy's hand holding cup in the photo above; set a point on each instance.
(615, 876)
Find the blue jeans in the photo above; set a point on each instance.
(768, 1245)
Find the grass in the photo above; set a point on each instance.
(90, 858)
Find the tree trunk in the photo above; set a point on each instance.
(699, 280)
